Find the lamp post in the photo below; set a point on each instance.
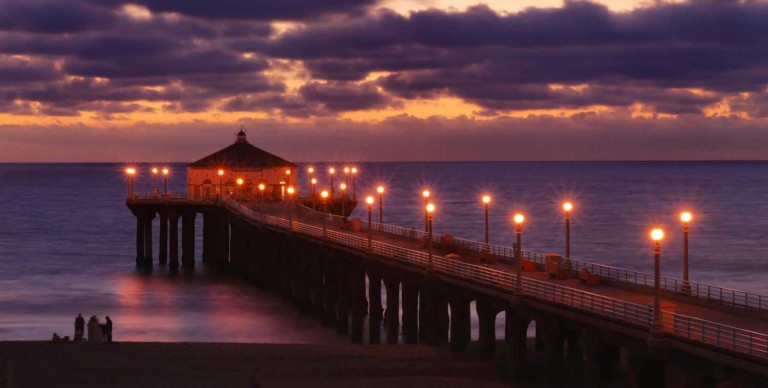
(288, 177)
(430, 208)
(380, 190)
(239, 189)
(346, 175)
(343, 187)
(324, 196)
(130, 172)
(312, 184)
(568, 207)
(354, 183)
(519, 218)
(262, 187)
(656, 324)
(686, 217)
(425, 194)
(290, 191)
(311, 170)
(369, 201)
(331, 171)
(486, 202)
(221, 184)
(154, 181)
(165, 181)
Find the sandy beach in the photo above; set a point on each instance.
(43, 364)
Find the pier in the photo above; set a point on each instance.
(334, 269)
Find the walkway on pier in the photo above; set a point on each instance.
(710, 323)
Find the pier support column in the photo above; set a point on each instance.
(486, 314)
(148, 240)
(648, 371)
(392, 318)
(375, 309)
(209, 236)
(460, 322)
(222, 240)
(443, 320)
(173, 220)
(317, 289)
(516, 333)
(430, 318)
(423, 327)
(163, 252)
(554, 339)
(139, 241)
(601, 360)
(188, 240)
(359, 303)
(342, 311)
(330, 287)
(410, 311)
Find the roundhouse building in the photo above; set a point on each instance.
(240, 160)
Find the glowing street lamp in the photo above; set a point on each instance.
(346, 175)
(221, 183)
(343, 187)
(380, 190)
(685, 217)
(290, 192)
(324, 196)
(519, 218)
(288, 177)
(312, 181)
(131, 173)
(425, 194)
(312, 184)
(331, 171)
(429, 208)
(567, 207)
(240, 189)
(165, 181)
(354, 183)
(657, 325)
(486, 202)
(154, 181)
(369, 201)
(262, 187)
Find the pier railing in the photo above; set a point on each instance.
(677, 325)
(607, 273)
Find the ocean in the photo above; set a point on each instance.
(67, 238)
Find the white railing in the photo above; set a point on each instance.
(607, 273)
(677, 325)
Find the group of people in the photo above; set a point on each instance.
(97, 331)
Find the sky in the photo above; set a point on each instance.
(384, 80)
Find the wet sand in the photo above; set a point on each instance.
(138, 364)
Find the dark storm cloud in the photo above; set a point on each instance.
(251, 9)
(339, 97)
(194, 55)
(506, 61)
(51, 16)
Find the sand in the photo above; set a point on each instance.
(133, 364)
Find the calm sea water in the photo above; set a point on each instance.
(67, 239)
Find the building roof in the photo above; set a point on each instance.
(241, 155)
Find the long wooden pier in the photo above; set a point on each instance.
(709, 335)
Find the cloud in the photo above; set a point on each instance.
(251, 10)
(497, 60)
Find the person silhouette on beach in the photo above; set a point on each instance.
(79, 327)
(108, 329)
(94, 330)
